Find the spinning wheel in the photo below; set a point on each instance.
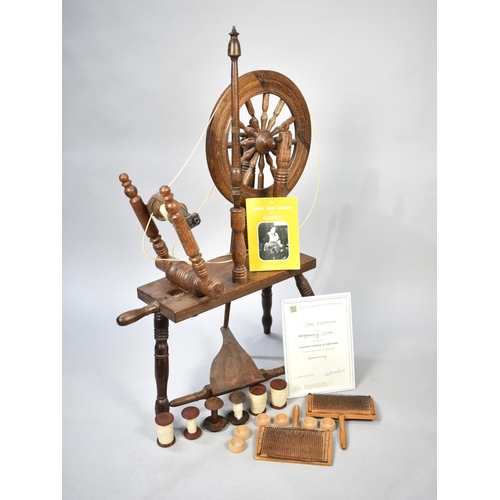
(260, 155)
(277, 96)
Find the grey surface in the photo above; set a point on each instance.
(139, 82)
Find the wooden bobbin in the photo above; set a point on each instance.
(163, 420)
(215, 422)
(237, 398)
(257, 390)
(191, 413)
(278, 385)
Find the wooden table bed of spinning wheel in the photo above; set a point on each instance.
(238, 154)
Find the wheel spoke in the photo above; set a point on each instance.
(276, 113)
(249, 171)
(284, 125)
(260, 179)
(248, 154)
(270, 162)
(265, 107)
(254, 123)
(248, 131)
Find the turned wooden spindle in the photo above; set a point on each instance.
(201, 280)
(161, 362)
(283, 156)
(238, 245)
(141, 211)
(214, 422)
(303, 286)
(267, 302)
(238, 222)
(184, 233)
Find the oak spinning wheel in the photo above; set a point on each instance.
(272, 103)
(257, 145)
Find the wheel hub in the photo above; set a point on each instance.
(264, 142)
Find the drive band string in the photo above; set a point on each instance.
(165, 214)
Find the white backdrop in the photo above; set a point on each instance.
(140, 80)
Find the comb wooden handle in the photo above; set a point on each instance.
(342, 433)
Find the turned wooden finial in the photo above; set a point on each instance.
(129, 189)
(234, 49)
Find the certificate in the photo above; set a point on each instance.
(317, 342)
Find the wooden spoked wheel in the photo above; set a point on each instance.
(269, 103)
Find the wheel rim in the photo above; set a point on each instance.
(268, 100)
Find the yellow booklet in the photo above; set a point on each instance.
(273, 233)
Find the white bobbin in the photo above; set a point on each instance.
(192, 431)
(165, 427)
(279, 393)
(258, 399)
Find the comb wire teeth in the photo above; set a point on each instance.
(340, 404)
(291, 444)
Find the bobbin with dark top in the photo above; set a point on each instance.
(257, 390)
(238, 397)
(190, 413)
(164, 419)
(278, 384)
(215, 422)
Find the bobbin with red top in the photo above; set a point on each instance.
(164, 423)
(258, 399)
(192, 431)
(278, 393)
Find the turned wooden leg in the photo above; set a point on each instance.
(267, 302)
(161, 363)
(303, 286)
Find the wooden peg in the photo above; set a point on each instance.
(215, 422)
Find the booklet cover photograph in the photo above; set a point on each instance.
(273, 240)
